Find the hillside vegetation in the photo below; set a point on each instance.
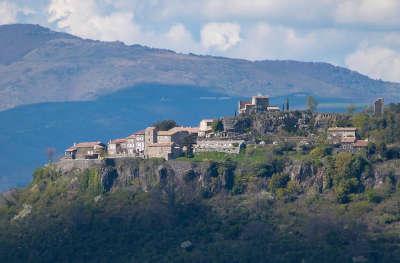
(272, 203)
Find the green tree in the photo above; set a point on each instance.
(351, 109)
(165, 125)
(312, 103)
(218, 126)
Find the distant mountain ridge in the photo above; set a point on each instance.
(40, 65)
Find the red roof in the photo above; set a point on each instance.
(88, 144)
(348, 140)
(361, 143)
(120, 140)
(141, 132)
(84, 145)
(243, 103)
(71, 149)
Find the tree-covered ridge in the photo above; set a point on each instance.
(270, 203)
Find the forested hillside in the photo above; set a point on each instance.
(278, 203)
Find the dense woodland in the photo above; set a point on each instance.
(278, 203)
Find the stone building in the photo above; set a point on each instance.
(229, 124)
(168, 144)
(86, 150)
(378, 107)
(117, 147)
(164, 150)
(257, 104)
(219, 145)
(342, 135)
(135, 144)
(205, 127)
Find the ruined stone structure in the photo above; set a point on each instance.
(378, 107)
(342, 135)
(219, 145)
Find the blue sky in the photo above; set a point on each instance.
(363, 35)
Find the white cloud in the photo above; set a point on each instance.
(88, 19)
(9, 12)
(179, 39)
(268, 9)
(377, 62)
(221, 36)
(85, 19)
(379, 13)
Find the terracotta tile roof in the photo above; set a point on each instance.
(120, 140)
(361, 143)
(71, 149)
(88, 144)
(244, 103)
(348, 140)
(141, 132)
(342, 129)
(179, 129)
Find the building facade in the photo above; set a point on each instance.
(341, 135)
(86, 150)
(205, 127)
(135, 144)
(117, 147)
(257, 104)
(168, 144)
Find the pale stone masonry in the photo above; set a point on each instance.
(135, 144)
(205, 127)
(117, 147)
(86, 150)
(341, 134)
(219, 145)
(257, 104)
(378, 107)
(168, 144)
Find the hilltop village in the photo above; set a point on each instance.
(256, 123)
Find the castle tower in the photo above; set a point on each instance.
(378, 107)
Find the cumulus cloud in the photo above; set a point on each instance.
(221, 36)
(85, 19)
(377, 62)
(9, 12)
(379, 13)
(179, 38)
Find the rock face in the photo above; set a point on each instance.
(189, 178)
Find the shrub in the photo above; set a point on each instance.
(165, 125)
(278, 180)
(373, 196)
(321, 151)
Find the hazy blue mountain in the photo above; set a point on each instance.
(39, 65)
